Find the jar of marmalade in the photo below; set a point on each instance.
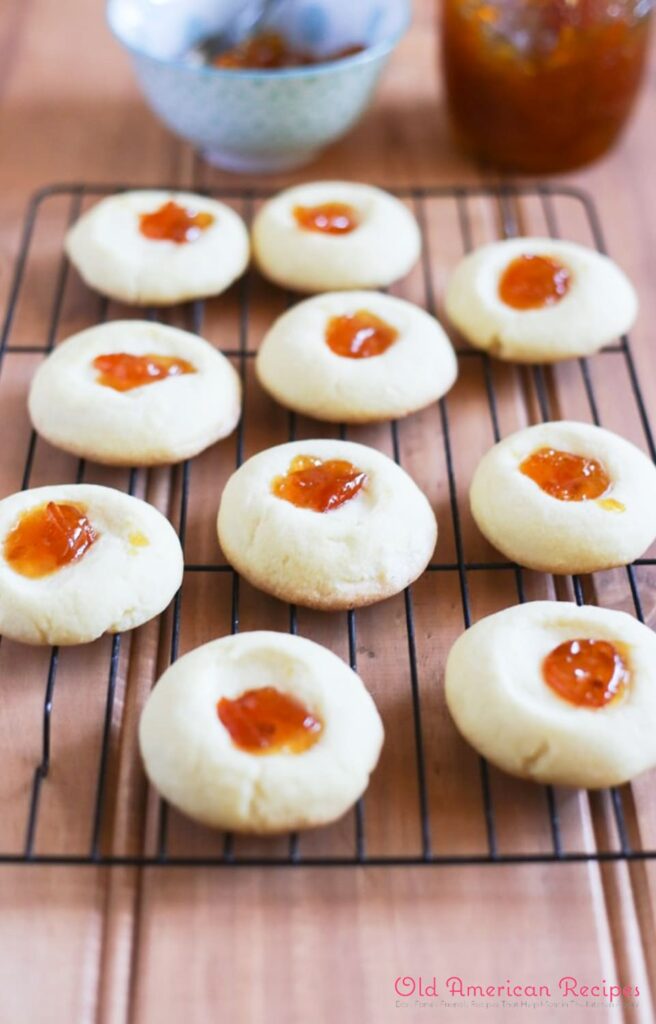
(542, 85)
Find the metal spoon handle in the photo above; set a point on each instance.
(242, 26)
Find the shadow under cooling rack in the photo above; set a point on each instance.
(92, 805)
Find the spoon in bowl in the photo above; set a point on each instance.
(242, 27)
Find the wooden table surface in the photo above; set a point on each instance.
(157, 946)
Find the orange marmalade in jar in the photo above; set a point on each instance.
(542, 85)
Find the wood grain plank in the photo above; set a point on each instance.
(263, 954)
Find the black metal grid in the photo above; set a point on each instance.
(504, 196)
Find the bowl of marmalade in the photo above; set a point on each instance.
(274, 100)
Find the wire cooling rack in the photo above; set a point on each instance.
(75, 793)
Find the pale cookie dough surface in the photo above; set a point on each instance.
(372, 546)
(545, 533)
(601, 303)
(192, 760)
(126, 577)
(159, 423)
(115, 258)
(298, 368)
(501, 704)
(383, 247)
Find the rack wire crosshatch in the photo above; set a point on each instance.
(607, 827)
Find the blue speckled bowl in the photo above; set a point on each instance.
(258, 120)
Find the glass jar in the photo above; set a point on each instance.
(542, 85)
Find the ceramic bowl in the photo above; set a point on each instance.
(258, 120)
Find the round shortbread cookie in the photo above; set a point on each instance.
(297, 366)
(543, 532)
(124, 578)
(370, 547)
(191, 757)
(497, 693)
(383, 247)
(599, 305)
(113, 256)
(159, 422)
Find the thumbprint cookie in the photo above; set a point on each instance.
(356, 357)
(158, 248)
(333, 235)
(557, 693)
(539, 300)
(260, 732)
(326, 524)
(78, 560)
(135, 393)
(566, 497)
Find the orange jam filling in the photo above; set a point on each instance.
(359, 335)
(327, 218)
(612, 505)
(174, 223)
(267, 50)
(266, 721)
(566, 476)
(48, 537)
(588, 673)
(317, 485)
(123, 371)
(532, 282)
